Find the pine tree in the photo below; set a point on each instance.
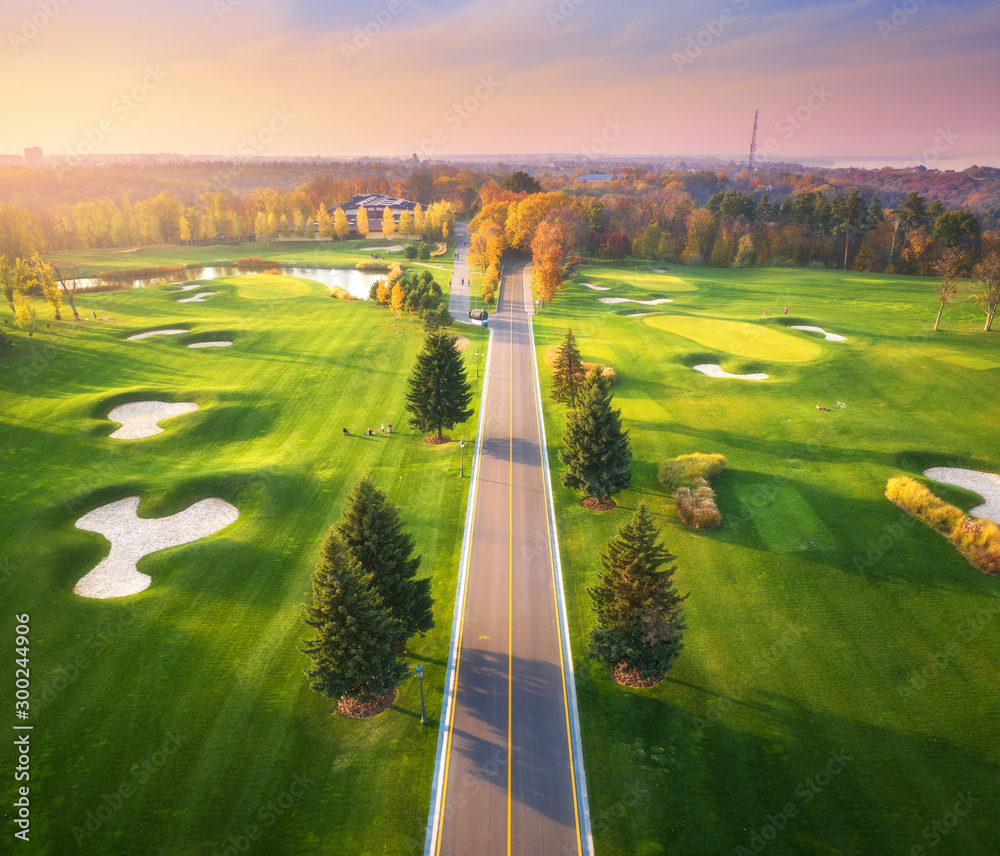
(597, 453)
(439, 392)
(568, 373)
(351, 652)
(639, 623)
(372, 534)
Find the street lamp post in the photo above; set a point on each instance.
(423, 707)
(477, 362)
(461, 444)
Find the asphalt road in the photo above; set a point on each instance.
(509, 781)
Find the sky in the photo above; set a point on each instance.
(914, 81)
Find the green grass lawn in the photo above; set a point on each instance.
(344, 254)
(816, 611)
(179, 720)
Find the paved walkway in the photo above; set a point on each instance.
(509, 777)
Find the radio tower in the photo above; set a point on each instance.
(752, 160)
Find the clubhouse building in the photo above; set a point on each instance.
(375, 204)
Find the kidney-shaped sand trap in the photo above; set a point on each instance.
(830, 337)
(200, 297)
(987, 485)
(630, 300)
(596, 287)
(139, 336)
(210, 345)
(133, 537)
(189, 286)
(716, 371)
(139, 418)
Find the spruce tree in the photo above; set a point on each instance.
(638, 610)
(568, 373)
(372, 534)
(351, 652)
(439, 393)
(597, 453)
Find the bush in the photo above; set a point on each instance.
(410, 252)
(606, 372)
(977, 540)
(693, 470)
(423, 252)
(5, 342)
(254, 262)
(375, 265)
(341, 293)
(697, 509)
(693, 260)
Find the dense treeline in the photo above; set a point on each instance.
(701, 217)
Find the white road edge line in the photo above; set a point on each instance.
(575, 738)
(437, 788)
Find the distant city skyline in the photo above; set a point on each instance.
(899, 83)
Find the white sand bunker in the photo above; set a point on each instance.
(716, 371)
(189, 286)
(139, 418)
(210, 344)
(133, 537)
(596, 287)
(201, 297)
(640, 314)
(629, 300)
(987, 485)
(155, 333)
(830, 337)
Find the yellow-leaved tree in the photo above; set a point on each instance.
(388, 222)
(340, 224)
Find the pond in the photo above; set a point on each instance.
(355, 282)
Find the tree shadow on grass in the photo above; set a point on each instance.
(742, 757)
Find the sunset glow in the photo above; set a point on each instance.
(393, 77)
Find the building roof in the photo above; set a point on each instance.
(375, 204)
